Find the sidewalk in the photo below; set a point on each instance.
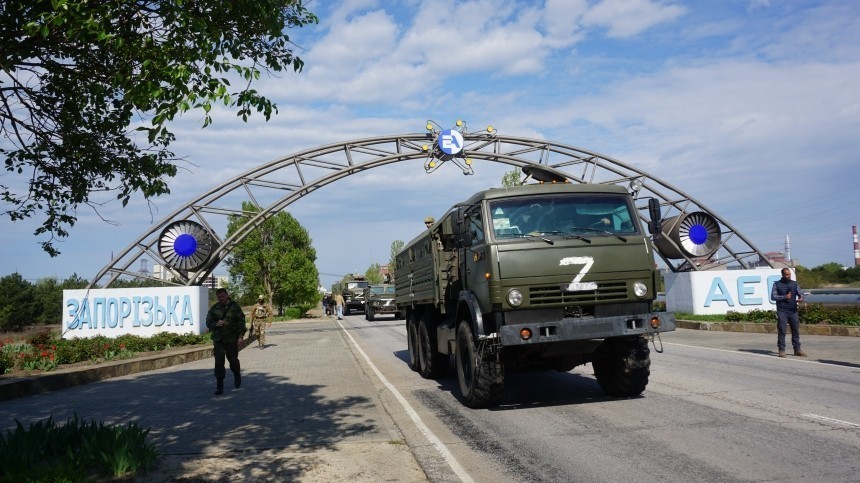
(307, 411)
(826, 349)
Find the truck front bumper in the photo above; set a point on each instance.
(385, 309)
(581, 328)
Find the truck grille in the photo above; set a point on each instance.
(552, 294)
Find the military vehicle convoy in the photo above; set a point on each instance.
(379, 300)
(352, 290)
(542, 276)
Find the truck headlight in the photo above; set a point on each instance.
(640, 289)
(515, 298)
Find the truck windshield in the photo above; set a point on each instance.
(355, 285)
(569, 214)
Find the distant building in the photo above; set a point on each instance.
(778, 259)
(212, 282)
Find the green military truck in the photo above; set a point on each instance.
(542, 276)
(379, 300)
(353, 294)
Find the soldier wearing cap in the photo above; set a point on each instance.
(261, 316)
(428, 222)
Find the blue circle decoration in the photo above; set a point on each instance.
(698, 234)
(185, 245)
(450, 141)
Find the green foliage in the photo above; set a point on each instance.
(81, 75)
(49, 295)
(827, 275)
(72, 452)
(276, 258)
(512, 178)
(45, 352)
(17, 304)
(808, 314)
(396, 246)
(373, 273)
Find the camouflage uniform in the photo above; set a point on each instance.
(225, 338)
(261, 316)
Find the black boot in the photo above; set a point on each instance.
(237, 379)
(219, 388)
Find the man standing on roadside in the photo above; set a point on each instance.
(786, 293)
(261, 316)
(339, 302)
(226, 322)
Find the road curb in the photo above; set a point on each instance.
(13, 388)
(768, 328)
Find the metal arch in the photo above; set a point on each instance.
(302, 173)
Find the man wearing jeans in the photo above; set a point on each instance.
(786, 293)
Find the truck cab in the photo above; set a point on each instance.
(540, 276)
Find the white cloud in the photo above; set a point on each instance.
(753, 113)
(626, 18)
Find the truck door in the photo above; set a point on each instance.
(475, 259)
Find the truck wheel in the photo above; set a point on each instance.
(481, 384)
(622, 366)
(368, 314)
(412, 343)
(346, 310)
(433, 364)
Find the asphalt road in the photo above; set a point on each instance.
(719, 407)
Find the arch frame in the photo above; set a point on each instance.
(302, 173)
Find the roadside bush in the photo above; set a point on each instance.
(6, 361)
(808, 313)
(45, 352)
(75, 451)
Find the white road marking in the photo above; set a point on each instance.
(434, 440)
(830, 420)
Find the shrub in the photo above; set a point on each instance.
(74, 451)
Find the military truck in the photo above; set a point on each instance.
(542, 276)
(379, 300)
(352, 290)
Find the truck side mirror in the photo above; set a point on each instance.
(655, 226)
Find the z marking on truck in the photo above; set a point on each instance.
(576, 285)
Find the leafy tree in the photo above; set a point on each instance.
(831, 268)
(373, 273)
(512, 178)
(396, 246)
(74, 282)
(18, 306)
(48, 295)
(89, 87)
(276, 259)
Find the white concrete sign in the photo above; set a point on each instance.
(140, 311)
(720, 291)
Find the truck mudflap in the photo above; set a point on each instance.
(580, 328)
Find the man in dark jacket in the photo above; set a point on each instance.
(226, 322)
(786, 293)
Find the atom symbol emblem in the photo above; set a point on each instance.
(450, 145)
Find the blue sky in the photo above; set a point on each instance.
(752, 107)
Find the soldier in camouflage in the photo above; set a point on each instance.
(261, 316)
(226, 322)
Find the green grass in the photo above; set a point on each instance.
(75, 451)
